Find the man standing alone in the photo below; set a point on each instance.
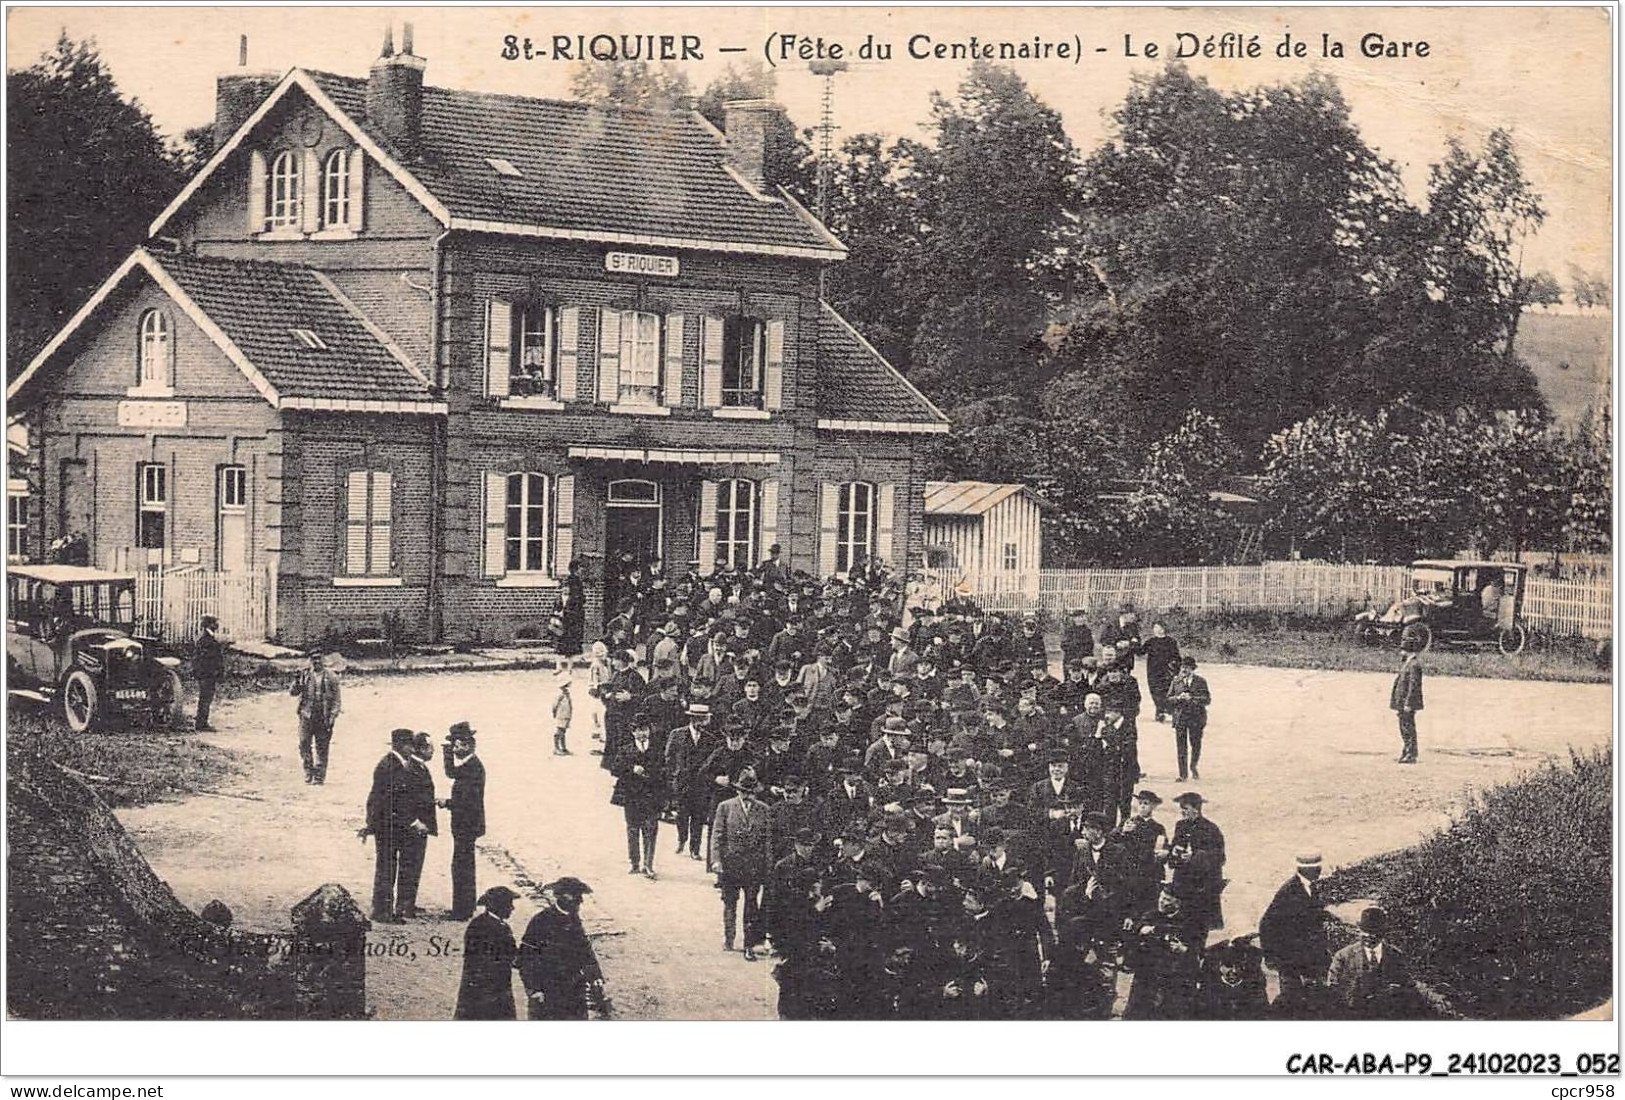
(319, 704)
(467, 806)
(1406, 696)
(209, 664)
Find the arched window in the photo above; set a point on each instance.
(854, 526)
(336, 189)
(282, 209)
(736, 523)
(154, 354)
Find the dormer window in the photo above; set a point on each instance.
(336, 189)
(282, 205)
(154, 355)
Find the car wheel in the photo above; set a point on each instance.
(1420, 636)
(1366, 634)
(81, 700)
(1512, 639)
(169, 705)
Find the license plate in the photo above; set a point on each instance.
(135, 696)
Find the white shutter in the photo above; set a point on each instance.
(569, 339)
(770, 514)
(358, 191)
(673, 383)
(382, 521)
(706, 543)
(256, 192)
(829, 508)
(355, 524)
(773, 383)
(564, 521)
(310, 192)
(609, 356)
(711, 363)
(496, 524)
(884, 511)
(498, 346)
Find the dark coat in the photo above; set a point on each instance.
(685, 760)
(1292, 931)
(1188, 700)
(643, 796)
(1366, 991)
(1202, 874)
(467, 799)
(209, 661)
(486, 992)
(556, 960)
(396, 799)
(1407, 690)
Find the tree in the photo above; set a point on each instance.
(1590, 291)
(632, 84)
(1542, 289)
(88, 173)
(874, 215)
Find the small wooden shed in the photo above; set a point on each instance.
(989, 534)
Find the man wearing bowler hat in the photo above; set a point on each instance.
(741, 857)
(1369, 979)
(489, 953)
(1292, 933)
(400, 828)
(467, 806)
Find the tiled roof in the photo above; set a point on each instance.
(582, 168)
(855, 383)
(258, 305)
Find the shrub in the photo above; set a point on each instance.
(1508, 911)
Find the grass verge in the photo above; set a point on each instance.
(124, 767)
(1507, 912)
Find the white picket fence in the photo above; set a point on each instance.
(171, 605)
(1316, 589)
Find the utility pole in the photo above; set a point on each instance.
(826, 145)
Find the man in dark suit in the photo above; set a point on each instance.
(556, 961)
(1369, 979)
(1056, 800)
(489, 953)
(1196, 854)
(687, 749)
(640, 791)
(467, 806)
(1406, 696)
(208, 665)
(1292, 933)
(399, 825)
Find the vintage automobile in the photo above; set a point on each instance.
(1463, 602)
(68, 640)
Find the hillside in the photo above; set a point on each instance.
(1569, 353)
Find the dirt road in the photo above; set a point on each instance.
(1293, 760)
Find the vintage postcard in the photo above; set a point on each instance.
(792, 514)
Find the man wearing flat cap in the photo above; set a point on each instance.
(556, 961)
(1292, 933)
(489, 954)
(1368, 979)
(467, 805)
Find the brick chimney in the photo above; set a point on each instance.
(395, 94)
(238, 93)
(745, 123)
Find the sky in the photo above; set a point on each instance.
(1542, 73)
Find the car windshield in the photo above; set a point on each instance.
(1431, 582)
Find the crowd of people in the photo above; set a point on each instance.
(907, 812)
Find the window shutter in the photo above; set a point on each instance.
(382, 520)
(770, 514)
(564, 521)
(498, 346)
(711, 363)
(706, 543)
(569, 338)
(773, 383)
(496, 524)
(256, 192)
(673, 382)
(609, 356)
(358, 190)
(829, 510)
(310, 192)
(884, 511)
(355, 524)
